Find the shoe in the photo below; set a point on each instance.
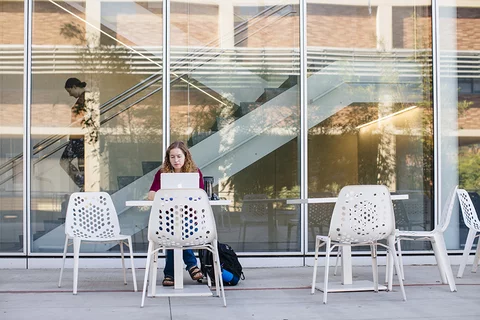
(168, 281)
(195, 273)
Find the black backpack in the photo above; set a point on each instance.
(228, 261)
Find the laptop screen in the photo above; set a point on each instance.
(179, 180)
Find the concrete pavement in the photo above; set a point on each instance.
(266, 293)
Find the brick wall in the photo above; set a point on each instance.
(145, 30)
(468, 29)
(197, 25)
(273, 32)
(192, 25)
(11, 22)
(411, 33)
(48, 21)
(341, 26)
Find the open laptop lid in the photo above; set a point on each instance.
(179, 180)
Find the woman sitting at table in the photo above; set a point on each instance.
(177, 159)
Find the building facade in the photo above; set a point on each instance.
(276, 99)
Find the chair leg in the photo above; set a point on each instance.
(147, 270)
(373, 252)
(315, 265)
(134, 277)
(229, 222)
(289, 233)
(218, 272)
(477, 256)
(393, 252)
(389, 271)
(209, 280)
(154, 272)
(466, 252)
(76, 255)
(120, 243)
(328, 250)
(244, 234)
(337, 260)
(400, 259)
(63, 261)
(441, 256)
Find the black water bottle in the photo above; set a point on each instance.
(208, 186)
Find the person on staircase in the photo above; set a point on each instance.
(75, 148)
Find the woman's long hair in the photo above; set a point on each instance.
(188, 166)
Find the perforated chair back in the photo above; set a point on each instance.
(320, 214)
(91, 215)
(447, 211)
(255, 209)
(469, 213)
(180, 218)
(402, 221)
(362, 214)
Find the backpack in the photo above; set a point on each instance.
(228, 262)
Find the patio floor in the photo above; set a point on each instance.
(266, 293)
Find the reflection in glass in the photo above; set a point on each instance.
(459, 135)
(235, 100)
(11, 127)
(370, 104)
(113, 142)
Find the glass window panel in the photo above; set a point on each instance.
(235, 100)
(106, 133)
(476, 85)
(465, 86)
(459, 134)
(370, 115)
(11, 126)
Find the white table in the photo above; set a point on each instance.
(347, 279)
(179, 289)
(148, 203)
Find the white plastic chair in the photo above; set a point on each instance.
(91, 216)
(472, 222)
(362, 216)
(181, 219)
(437, 241)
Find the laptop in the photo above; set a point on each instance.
(187, 180)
